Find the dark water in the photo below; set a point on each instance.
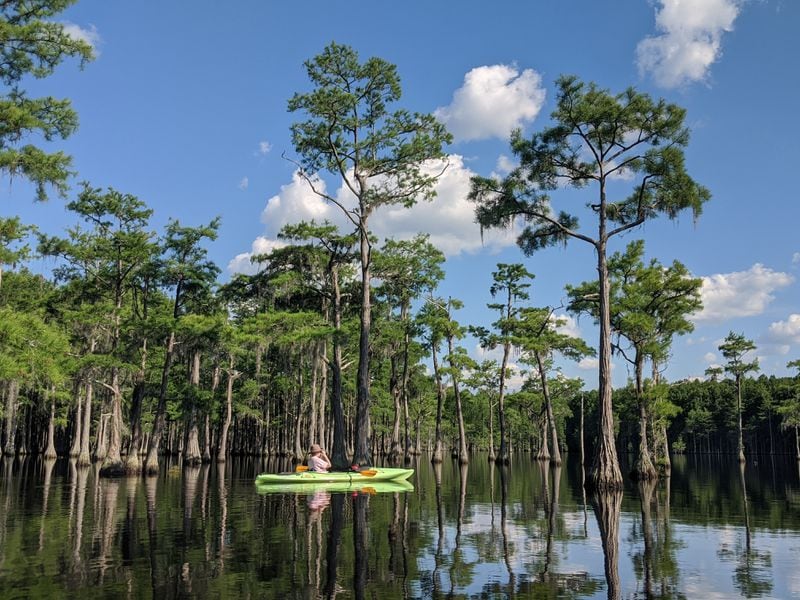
(523, 531)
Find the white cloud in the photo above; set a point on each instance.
(296, 202)
(244, 183)
(242, 263)
(493, 101)
(264, 147)
(785, 332)
(709, 357)
(449, 218)
(689, 40)
(90, 35)
(504, 165)
(568, 326)
(740, 294)
(796, 258)
(589, 364)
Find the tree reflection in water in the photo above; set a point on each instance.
(607, 506)
(752, 573)
(518, 531)
(332, 551)
(504, 529)
(360, 544)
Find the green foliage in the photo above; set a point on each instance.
(33, 44)
(595, 136)
(350, 131)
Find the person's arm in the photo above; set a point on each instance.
(324, 456)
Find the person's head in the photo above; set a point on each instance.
(314, 450)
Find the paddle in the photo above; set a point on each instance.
(365, 472)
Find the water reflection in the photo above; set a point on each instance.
(607, 506)
(479, 531)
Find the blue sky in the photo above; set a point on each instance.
(185, 107)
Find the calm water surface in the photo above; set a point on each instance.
(710, 531)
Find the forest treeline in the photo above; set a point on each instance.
(129, 347)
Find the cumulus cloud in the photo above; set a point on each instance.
(493, 101)
(710, 357)
(90, 35)
(242, 263)
(244, 183)
(589, 364)
(264, 147)
(740, 294)
(449, 219)
(781, 335)
(568, 325)
(504, 166)
(689, 40)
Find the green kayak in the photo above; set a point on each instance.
(362, 487)
(348, 477)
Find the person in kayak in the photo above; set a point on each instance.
(318, 461)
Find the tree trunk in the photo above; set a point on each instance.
(503, 457)
(463, 457)
(339, 456)
(583, 453)
(605, 470)
(740, 439)
(133, 462)
(84, 458)
(396, 450)
(492, 455)
(555, 455)
(112, 465)
(151, 463)
(51, 430)
(544, 447)
(438, 449)
(404, 379)
(191, 454)
(362, 433)
(644, 469)
(667, 460)
(12, 394)
(75, 448)
(226, 421)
